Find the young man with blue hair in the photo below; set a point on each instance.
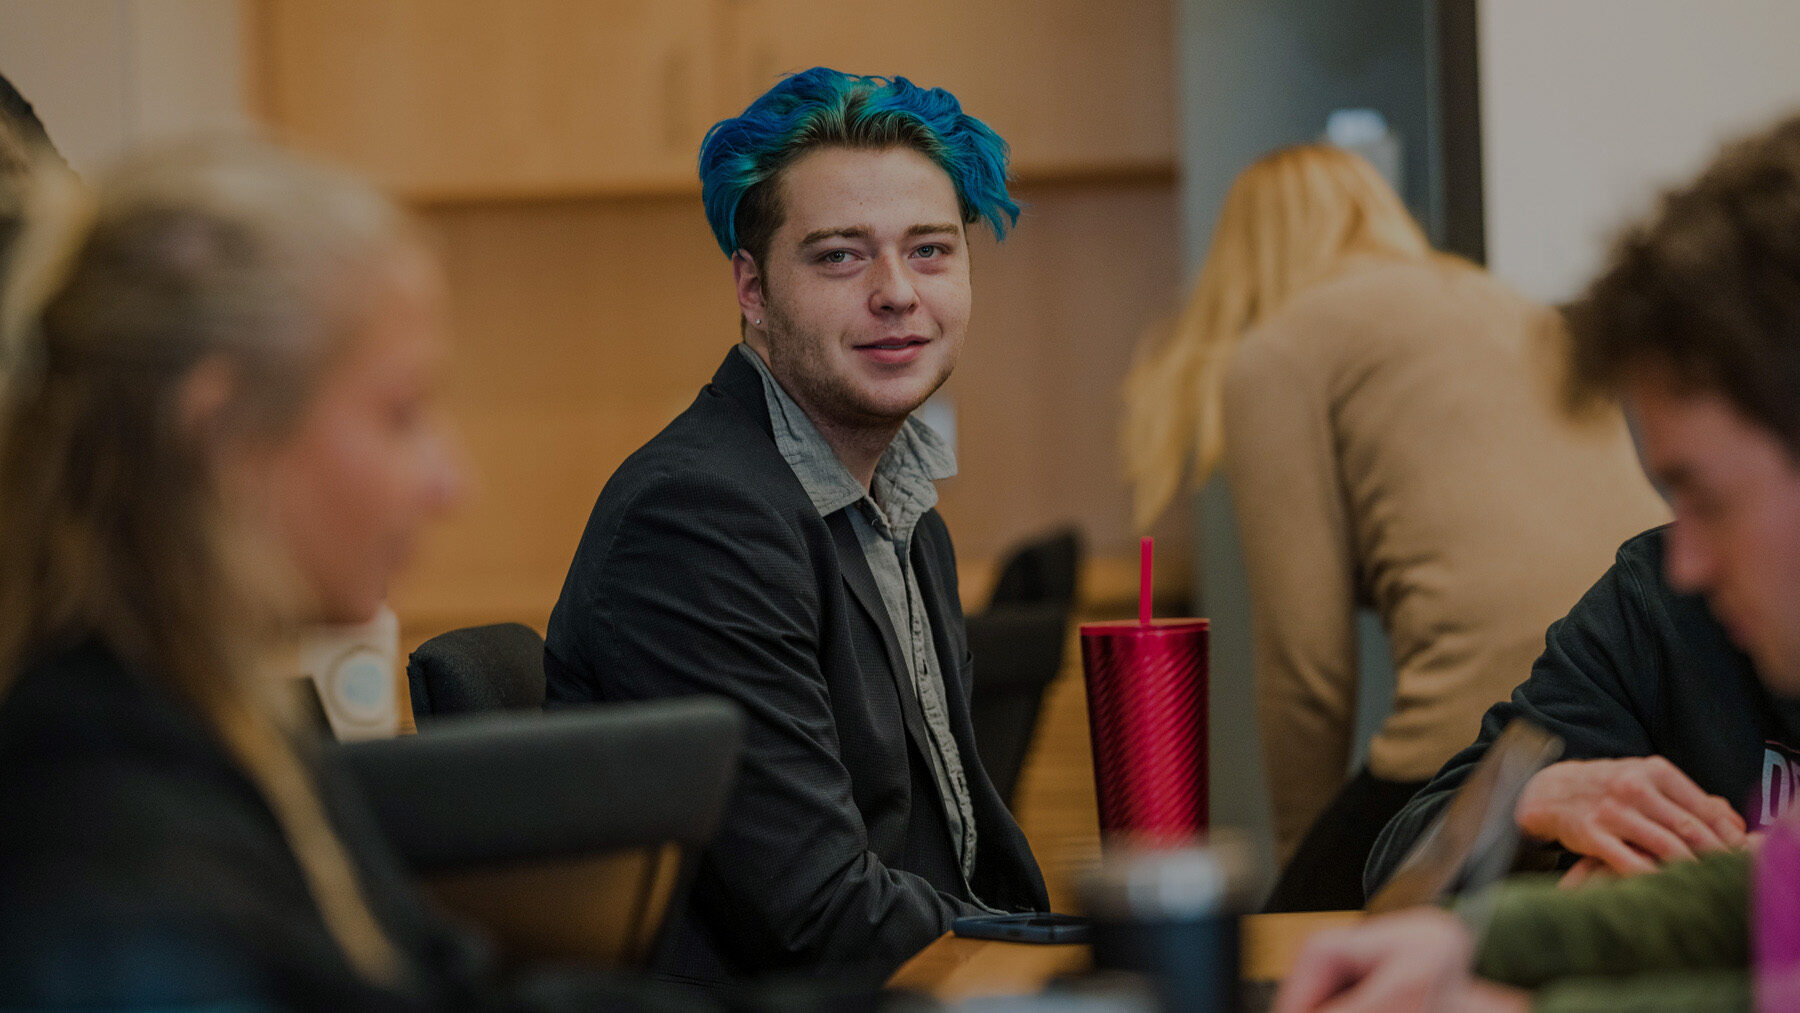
(777, 543)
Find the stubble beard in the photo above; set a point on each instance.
(803, 367)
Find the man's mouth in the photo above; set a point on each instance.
(893, 351)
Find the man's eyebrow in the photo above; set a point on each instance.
(839, 232)
(862, 232)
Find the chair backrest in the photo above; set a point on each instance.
(1018, 645)
(1018, 650)
(477, 668)
(568, 836)
(1045, 570)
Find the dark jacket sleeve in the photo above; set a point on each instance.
(702, 586)
(1590, 687)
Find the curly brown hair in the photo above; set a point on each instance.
(1708, 287)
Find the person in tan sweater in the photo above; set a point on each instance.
(1389, 424)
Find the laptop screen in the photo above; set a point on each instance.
(1472, 844)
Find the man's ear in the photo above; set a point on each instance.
(747, 277)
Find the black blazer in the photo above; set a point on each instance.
(705, 568)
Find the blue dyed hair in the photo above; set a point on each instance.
(743, 157)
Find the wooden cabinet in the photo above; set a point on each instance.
(1077, 88)
(454, 99)
(447, 99)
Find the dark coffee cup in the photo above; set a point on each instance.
(1171, 915)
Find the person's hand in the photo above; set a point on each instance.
(1411, 960)
(1628, 816)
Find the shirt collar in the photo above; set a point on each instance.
(904, 476)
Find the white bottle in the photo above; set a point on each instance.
(1367, 133)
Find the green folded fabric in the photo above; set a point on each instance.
(1636, 943)
(1718, 991)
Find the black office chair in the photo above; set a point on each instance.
(1043, 571)
(568, 836)
(477, 668)
(1017, 644)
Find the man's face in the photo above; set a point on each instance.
(1735, 491)
(864, 296)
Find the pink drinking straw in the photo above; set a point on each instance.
(1146, 551)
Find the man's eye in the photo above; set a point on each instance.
(930, 250)
(835, 256)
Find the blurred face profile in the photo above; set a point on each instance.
(1735, 490)
(370, 460)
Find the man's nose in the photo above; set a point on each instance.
(446, 470)
(892, 290)
(1689, 560)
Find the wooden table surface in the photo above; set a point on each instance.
(953, 969)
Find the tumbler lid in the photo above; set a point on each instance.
(1130, 627)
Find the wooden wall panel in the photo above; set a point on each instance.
(469, 99)
(582, 328)
(1075, 87)
(459, 98)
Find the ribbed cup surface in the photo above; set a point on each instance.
(1146, 690)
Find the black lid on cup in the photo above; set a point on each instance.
(1136, 883)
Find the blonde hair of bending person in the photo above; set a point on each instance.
(111, 524)
(1294, 218)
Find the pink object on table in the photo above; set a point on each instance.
(1775, 917)
(1146, 686)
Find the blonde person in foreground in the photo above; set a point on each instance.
(216, 424)
(1695, 323)
(1388, 420)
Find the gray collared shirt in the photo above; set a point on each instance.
(904, 490)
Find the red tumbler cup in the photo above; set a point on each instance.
(1146, 686)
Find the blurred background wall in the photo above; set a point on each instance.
(1588, 108)
(105, 74)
